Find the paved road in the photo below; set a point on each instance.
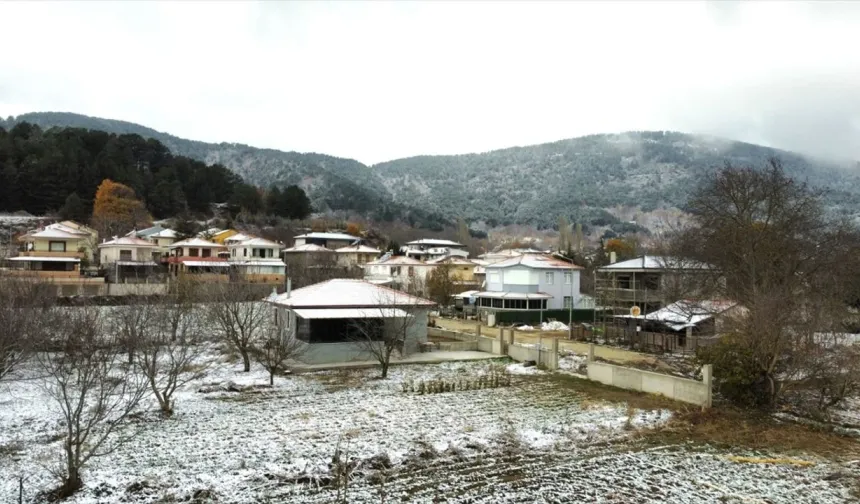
(604, 352)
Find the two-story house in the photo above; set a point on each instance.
(128, 259)
(331, 241)
(55, 252)
(161, 237)
(530, 282)
(356, 255)
(256, 260)
(427, 249)
(647, 282)
(402, 272)
(198, 257)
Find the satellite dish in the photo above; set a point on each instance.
(635, 311)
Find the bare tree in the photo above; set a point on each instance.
(441, 284)
(769, 246)
(94, 390)
(21, 305)
(239, 317)
(172, 355)
(274, 351)
(388, 327)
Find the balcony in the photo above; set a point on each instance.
(631, 295)
(46, 253)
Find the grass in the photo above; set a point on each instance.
(732, 428)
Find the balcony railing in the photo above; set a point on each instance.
(46, 253)
(631, 294)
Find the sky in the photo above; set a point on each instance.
(379, 80)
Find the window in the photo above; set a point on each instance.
(651, 282)
(623, 282)
(568, 277)
(568, 302)
(57, 246)
(395, 270)
(194, 252)
(550, 277)
(207, 252)
(412, 271)
(125, 255)
(244, 252)
(156, 256)
(233, 252)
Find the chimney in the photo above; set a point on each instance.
(289, 286)
(612, 258)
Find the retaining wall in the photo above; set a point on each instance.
(680, 389)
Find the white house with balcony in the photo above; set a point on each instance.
(128, 259)
(530, 282)
(332, 241)
(427, 249)
(55, 252)
(256, 260)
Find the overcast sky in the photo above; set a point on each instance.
(377, 81)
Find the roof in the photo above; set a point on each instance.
(648, 262)
(451, 260)
(686, 313)
(467, 294)
(208, 264)
(513, 295)
(348, 293)
(195, 242)
(308, 247)
(57, 230)
(352, 313)
(399, 261)
(127, 241)
(329, 236)
(435, 243)
(358, 249)
(512, 252)
(45, 259)
(238, 237)
(164, 233)
(256, 242)
(534, 261)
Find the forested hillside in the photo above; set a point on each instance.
(578, 178)
(333, 184)
(40, 169)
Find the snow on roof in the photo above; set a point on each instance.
(45, 259)
(209, 232)
(354, 249)
(164, 233)
(255, 242)
(453, 259)
(352, 313)
(329, 236)
(648, 262)
(467, 294)
(513, 295)
(195, 242)
(686, 313)
(238, 237)
(399, 261)
(146, 232)
(437, 243)
(348, 293)
(534, 261)
(127, 241)
(57, 230)
(308, 247)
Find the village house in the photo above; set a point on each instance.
(332, 241)
(401, 272)
(255, 260)
(55, 252)
(162, 238)
(332, 319)
(647, 282)
(462, 270)
(128, 259)
(530, 282)
(356, 255)
(427, 249)
(505, 254)
(200, 258)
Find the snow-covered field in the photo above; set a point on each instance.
(535, 441)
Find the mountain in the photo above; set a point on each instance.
(333, 184)
(580, 178)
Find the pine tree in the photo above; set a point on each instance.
(74, 209)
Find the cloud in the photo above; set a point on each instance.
(381, 80)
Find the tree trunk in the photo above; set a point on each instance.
(385, 370)
(246, 361)
(272, 377)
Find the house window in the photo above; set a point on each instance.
(244, 252)
(568, 277)
(194, 252)
(156, 256)
(550, 277)
(412, 271)
(623, 282)
(568, 302)
(125, 255)
(207, 252)
(651, 282)
(233, 252)
(395, 271)
(57, 246)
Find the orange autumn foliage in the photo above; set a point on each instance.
(117, 210)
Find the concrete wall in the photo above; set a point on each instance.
(679, 389)
(543, 356)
